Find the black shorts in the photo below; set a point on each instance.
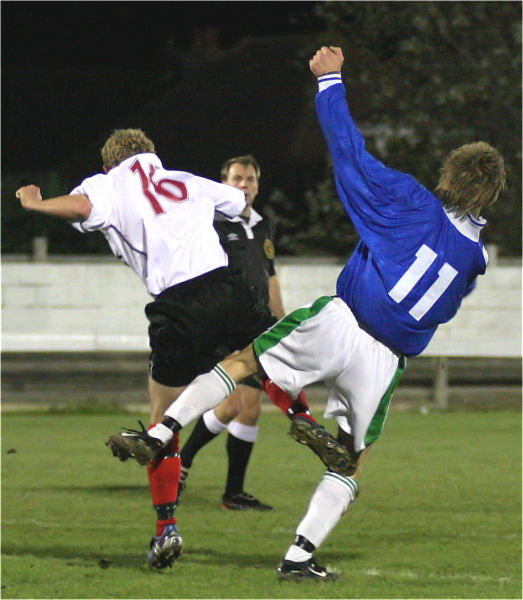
(195, 324)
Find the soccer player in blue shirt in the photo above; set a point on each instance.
(419, 255)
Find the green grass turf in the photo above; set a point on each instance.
(439, 514)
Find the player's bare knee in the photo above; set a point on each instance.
(228, 409)
(251, 407)
(233, 404)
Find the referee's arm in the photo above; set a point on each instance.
(275, 299)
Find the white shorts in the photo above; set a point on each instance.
(323, 342)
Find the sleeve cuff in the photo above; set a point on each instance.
(328, 79)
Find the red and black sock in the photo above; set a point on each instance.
(164, 477)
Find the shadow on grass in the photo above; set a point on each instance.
(86, 489)
(75, 557)
(208, 556)
(89, 408)
(197, 555)
(206, 501)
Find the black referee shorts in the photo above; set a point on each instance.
(194, 324)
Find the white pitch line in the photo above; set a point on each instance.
(372, 572)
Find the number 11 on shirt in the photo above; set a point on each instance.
(425, 256)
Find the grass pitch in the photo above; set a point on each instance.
(439, 514)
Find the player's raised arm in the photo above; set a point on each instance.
(338, 126)
(367, 196)
(75, 207)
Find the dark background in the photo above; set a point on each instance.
(208, 80)
(75, 70)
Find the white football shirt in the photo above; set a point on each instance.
(159, 222)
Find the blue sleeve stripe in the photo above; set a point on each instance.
(330, 75)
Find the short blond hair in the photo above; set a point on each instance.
(122, 144)
(471, 177)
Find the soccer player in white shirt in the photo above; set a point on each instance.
(159, 222)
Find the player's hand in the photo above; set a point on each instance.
(328, 59)
(29, 196)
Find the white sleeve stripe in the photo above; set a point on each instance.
(325, 81)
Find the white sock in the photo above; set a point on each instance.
(328, 503)
(205, 392)
(247, 433)
(213, 424)
(297, 554)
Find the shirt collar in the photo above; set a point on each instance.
(149, 156)
(254, 218)
(467, 225)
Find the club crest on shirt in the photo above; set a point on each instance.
(268, 248)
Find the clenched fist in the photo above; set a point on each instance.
(328, 59)
(29, 196)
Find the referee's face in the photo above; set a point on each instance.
(244, 178)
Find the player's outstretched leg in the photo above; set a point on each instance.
(165, 548)
(333, 455)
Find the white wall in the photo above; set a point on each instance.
(85, 306)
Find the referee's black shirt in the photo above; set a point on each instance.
(250, 247)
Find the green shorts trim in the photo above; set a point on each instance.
(378, 420)
(288, 324)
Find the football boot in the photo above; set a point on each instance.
(299, 571)
(135, 444)
(165, 548)
(243, 501)
(333, 455)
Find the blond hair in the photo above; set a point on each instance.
(122, 144)
(246, 160)
(471, 177)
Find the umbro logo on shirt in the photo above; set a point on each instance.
(232, 237)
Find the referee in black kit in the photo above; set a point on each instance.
(248, 241)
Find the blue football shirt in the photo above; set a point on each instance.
(414, 262)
